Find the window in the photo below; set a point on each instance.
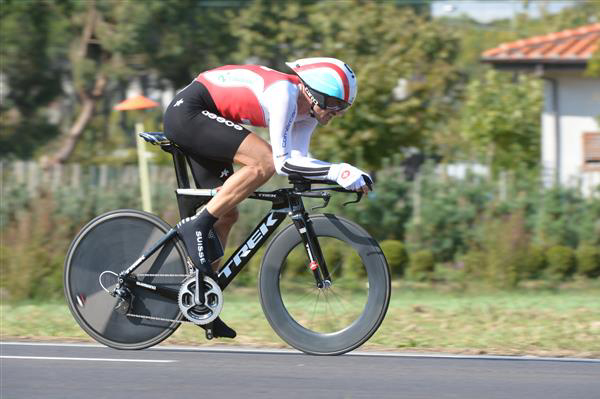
(591, 151)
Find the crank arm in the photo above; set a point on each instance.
(199, 288)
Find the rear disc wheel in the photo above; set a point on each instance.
(103, 248)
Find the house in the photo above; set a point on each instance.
(570, 134)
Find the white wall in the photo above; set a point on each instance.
(579, 105)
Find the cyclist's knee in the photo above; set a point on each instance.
(262, 170)
(268, 168)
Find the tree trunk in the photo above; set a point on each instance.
(84, 117)
(88, 98)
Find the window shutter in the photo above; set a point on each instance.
(591, 151)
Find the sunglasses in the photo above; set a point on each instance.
(326, 101)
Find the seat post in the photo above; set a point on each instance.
(183, 180)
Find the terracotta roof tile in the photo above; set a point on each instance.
(569, 45)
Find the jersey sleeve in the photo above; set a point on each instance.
(290, 139)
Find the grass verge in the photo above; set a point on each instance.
(532, 322)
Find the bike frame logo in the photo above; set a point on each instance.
(252, 242)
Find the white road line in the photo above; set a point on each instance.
(59, 344)
(93, 359)
(241, 349)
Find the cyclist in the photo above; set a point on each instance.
(205, 118)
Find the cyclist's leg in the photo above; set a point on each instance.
(212, 174)
(255, 155)
(192, 123)
(206, 137)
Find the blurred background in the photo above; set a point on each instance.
(486, 154)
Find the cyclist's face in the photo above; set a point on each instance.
(323, 116)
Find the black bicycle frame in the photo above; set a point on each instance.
(286, 202)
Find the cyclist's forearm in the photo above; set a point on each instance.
(308, 168)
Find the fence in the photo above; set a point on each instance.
(447, 212)
(34, 177)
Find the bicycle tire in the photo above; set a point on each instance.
(113, 241)
(293, 325)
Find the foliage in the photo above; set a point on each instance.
(501, 120)
(421, 265)
(565, 217)
(162, 33)
(474, 264)
(533, 263)
(32, 47)
(273, 32)
(396, 256)
(384, 44)
(389, 205)
(404, 65)
(38, 227)
(492, 230)
(506, 248)
(588, 260)
(444, 213)
(561, 262)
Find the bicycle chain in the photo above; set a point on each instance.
(142, 316)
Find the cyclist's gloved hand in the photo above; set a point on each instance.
(349, 177)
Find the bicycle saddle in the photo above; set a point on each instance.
(156, 138)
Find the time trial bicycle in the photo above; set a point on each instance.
(130, 284)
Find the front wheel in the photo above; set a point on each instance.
(334, 319)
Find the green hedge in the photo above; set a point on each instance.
(561, 262)
(588, 260)
(421, 266)
(500, 231)
(396, 256)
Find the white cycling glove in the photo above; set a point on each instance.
(348, 176)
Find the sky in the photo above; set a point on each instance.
(488, 10)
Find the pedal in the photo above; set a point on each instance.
(209, 331)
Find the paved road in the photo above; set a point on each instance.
(89, 371)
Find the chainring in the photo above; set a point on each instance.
(213, 301)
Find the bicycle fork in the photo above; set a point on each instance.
(313, 249)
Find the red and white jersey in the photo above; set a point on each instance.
(259, 96)
(242, 92)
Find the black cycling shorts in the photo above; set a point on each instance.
(209, 140)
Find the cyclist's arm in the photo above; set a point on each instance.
(290, 138)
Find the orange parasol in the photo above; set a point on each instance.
(137, 102)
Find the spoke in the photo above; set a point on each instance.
(343, 299)
(311, 321)
(355, 308)
(293, 298)
(330, 313)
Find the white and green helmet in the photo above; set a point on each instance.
(329, 77)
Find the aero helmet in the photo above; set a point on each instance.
(327, 79)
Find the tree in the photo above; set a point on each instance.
(83, 55)
(180, 38)
(402, 60)
(501, 120)
(272, 32)
(32, 43)
(404, 65)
